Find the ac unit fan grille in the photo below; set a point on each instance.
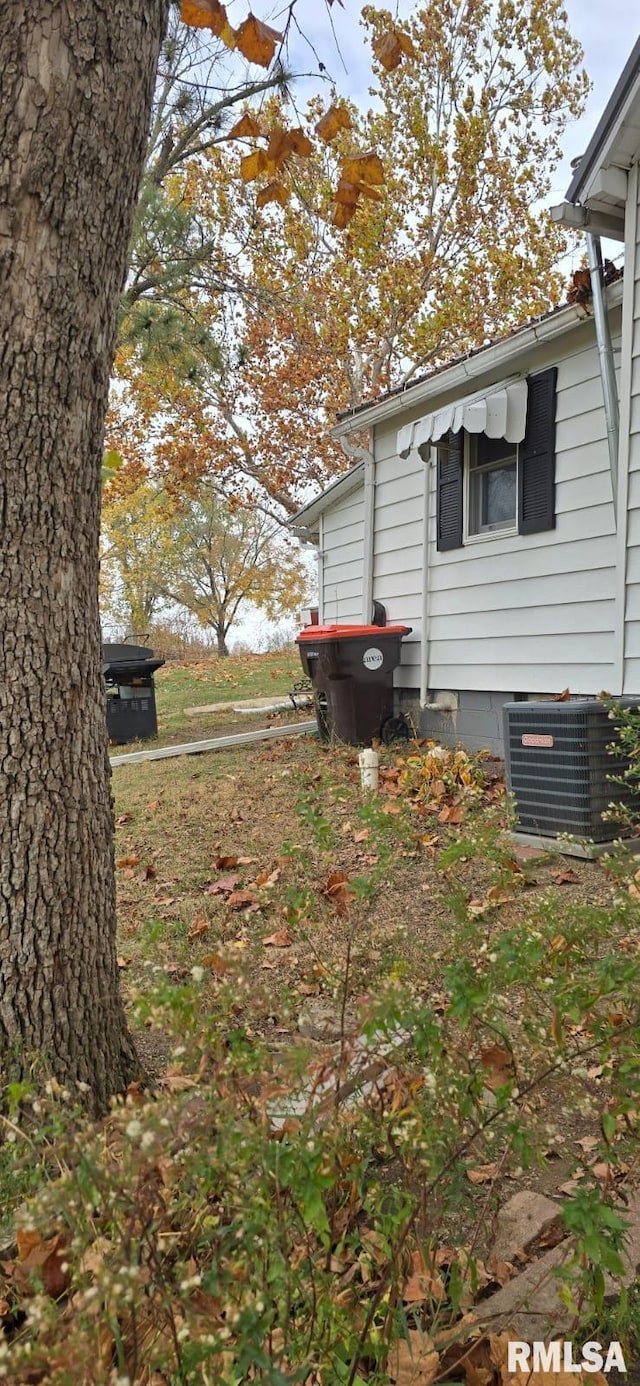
(565, 787)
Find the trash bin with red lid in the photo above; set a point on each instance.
(351, 671)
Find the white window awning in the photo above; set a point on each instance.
(500, 412)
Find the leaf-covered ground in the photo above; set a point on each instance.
(243, 1215)
(269, 869)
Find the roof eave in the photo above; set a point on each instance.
(482, 362)
(304, 522)
(623, 96)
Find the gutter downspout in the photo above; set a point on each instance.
(605, 356)
(426, 584)
(365, 455)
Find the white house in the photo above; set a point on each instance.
(496, 509)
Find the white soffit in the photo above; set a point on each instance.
(499, 411)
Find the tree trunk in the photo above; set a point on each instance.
(76, 82)
(221, 643)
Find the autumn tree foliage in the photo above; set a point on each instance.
(217, 560)
(197, 554)
(471, 102)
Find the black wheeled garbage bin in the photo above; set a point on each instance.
(131, 696)
(351, 671)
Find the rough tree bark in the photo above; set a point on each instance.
(76, 82)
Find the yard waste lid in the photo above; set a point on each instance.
(351, 671)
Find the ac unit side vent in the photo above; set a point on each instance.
(558, 767)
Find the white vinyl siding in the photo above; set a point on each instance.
(342, 564)
(398, 567)
(535, 613)
(511, 613)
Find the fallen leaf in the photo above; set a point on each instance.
(224, 885)
(336, 891)
(242, 899)
(565, 877)
(122, 963)
(497, 1063)
(269, 878)
(281, 939)
(225, 863)
(587, 1143)
(43, 1260)
(483, 1174)
(362, 835)
(153, 805)
(414, 1362)
(217, 963)
(422, 1285)
(199, 926)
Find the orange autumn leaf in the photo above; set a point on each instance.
(247, 126)
(274, 192)
(257, 41)
(209, 14)
(347, 193)
(300, 143)
(335, 119)
(364, 168)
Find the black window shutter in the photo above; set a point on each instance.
(537, 456)
(450, 466)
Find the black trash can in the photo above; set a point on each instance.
(351, 671)
(131, 696)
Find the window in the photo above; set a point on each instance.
(493, 484)
(487, 486)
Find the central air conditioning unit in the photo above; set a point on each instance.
(558, 767)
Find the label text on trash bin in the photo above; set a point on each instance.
(372, 659)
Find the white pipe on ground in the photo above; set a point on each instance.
(369, 762)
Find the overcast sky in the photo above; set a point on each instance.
(607, 30)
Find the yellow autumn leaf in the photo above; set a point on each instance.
(257, 41)
(364, 168)
(274, 192)
(247, 126)
(370, 192)
(335, 119)
(343, 214)
(252, 165)
(390, 48)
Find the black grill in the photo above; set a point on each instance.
(131, 697)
